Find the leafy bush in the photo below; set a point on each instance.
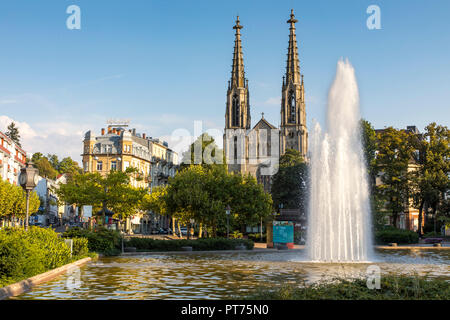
(391, 288)
(26, 254)
(145, 244)
(236, 235)
(390, 235)
(80, 247)
(99, 240)
(256, 237)
(432, 234)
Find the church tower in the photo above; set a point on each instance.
(293, 131)
(237, 115)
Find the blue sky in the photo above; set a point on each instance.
(164, 64)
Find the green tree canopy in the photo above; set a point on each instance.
(290, 183)
(395, 154)
(13, 133)
(112, 192)
(203, 151)
(202, 194)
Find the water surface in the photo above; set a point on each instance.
(221, 275)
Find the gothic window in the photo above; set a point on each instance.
(292, 108)
(235, 111)
(235, 149)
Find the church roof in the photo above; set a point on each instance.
(264, 123)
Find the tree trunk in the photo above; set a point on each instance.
(434, 217)
(419, 229)
(394, 219)
(425, 213)
(200, 231)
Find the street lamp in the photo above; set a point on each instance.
(228, 211)
(28, 179)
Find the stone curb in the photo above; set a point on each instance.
(264, 250)
(26, 285)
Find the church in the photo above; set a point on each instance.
(256, 150)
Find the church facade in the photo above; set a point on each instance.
(256, 150)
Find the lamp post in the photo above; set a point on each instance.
(28, 180)
(228, 211)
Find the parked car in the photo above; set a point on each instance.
(183, 231)
(433, 240)
(163, 231)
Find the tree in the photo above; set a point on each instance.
(13, 133)
(290, 183)
(369, 142)
(395, 153)
(45, 168)
(112, 192)
(154, 201)
(68, 166)
(431, 180)
(203, 151)
(13, 201)
(53, 160)
(202, 194)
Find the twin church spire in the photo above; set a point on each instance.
(237, 115)
(293, 132)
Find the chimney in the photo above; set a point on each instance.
(144, 136)
(103, 131)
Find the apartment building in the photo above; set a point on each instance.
(12, 159)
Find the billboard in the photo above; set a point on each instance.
(283, 232)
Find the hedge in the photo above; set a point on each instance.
(394, 235)
(145, 244)
(392, 287)
(24, 254)
(99, 240)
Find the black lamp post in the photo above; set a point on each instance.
(228, 211)
(28, 180)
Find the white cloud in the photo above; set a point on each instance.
(8, 101)
(61, 138)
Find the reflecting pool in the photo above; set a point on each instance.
(222, 275)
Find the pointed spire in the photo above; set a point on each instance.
(292, 65)
(237, 73)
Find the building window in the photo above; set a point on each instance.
(235, 111)
(292, 107)
(113, 165)
(99, 166)
(85, 164)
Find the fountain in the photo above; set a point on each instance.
(339, 214)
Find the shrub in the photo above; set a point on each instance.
(80, 247)
(389, 235)
(432, 234)
(256, 237)
(392, 287)
(25, 254)
(99, 240)
(145, 244)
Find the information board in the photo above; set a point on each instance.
(283, 232)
